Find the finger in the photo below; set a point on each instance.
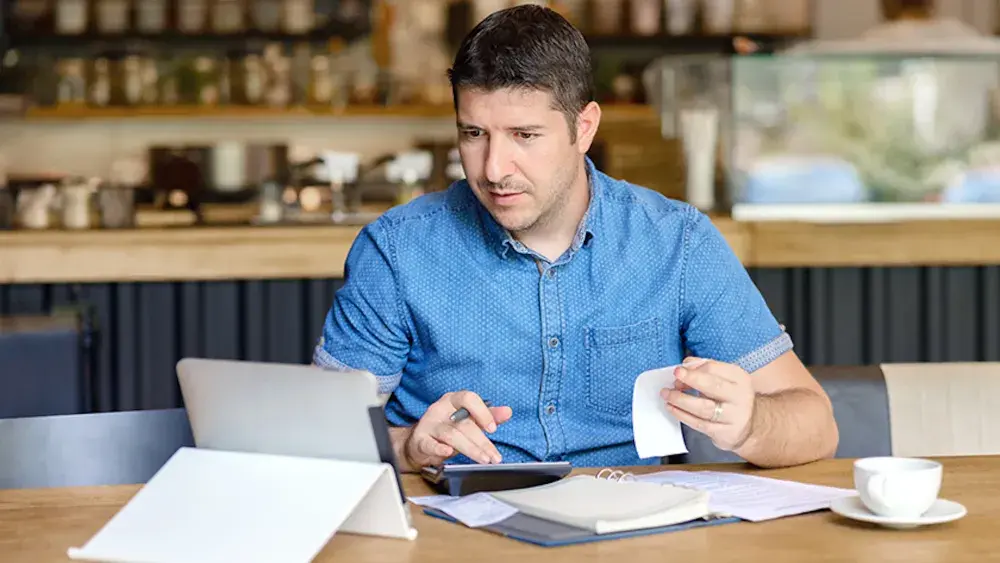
(451, 435)
(430, 450)
(731, 372)
(701, 425)
(476, 436)
(678, 384)
(501, 414)
(707, 383)
(478, 411)
(697, 406)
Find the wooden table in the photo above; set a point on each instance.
(38, 526)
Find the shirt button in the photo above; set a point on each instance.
(550, 409)
(551, 274)
(553, 342)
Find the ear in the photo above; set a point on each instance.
(586, 126)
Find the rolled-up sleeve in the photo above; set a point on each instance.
(723, 315)
(365, 328)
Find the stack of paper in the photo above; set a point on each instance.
(751, 497)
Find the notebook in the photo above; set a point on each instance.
(588, 508)
(605, 506)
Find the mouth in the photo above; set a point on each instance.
(505, 198)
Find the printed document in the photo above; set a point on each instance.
(751, 497)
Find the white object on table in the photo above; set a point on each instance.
(940, 512)
(221, 506)
(475, 510)
(656, 432)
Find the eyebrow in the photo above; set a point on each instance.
(519, 128)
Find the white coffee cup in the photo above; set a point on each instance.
(897, 487)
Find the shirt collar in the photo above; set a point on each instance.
(502, 241)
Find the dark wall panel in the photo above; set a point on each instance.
(850, 316)
(836, 316)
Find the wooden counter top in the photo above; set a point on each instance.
(39, 525)
(245, 252)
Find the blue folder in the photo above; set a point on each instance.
(546, 533)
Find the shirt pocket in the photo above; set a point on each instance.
(616, 355)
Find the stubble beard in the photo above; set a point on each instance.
(549, 210)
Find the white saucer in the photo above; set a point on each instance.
(940, 512)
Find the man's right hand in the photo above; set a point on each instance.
(436, 438)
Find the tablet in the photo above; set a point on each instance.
(465, 479)
(285, 409)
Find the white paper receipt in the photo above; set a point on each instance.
(657, 432)
(475, 510)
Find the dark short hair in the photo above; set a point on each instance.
(529, 47)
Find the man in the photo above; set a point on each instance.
(546, 287)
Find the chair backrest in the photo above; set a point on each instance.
(860, 407)
(944, 408)
(89, 449)
(41, 367)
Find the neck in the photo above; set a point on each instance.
(554, 236)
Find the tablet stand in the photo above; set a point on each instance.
(210, 505)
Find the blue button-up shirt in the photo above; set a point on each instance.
(438, 297)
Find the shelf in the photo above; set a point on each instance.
(611, 112)
(693, 43)
(171, 251)
(94, 41)
(232, 112)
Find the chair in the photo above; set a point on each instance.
(860, 407)
(42, 369)
(944, 408)
(119, 448)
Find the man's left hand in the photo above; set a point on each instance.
(724, 411)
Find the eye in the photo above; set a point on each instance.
(525, 136)
(471, 133)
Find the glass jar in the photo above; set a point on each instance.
(151, 16)
(718, 15)
(253, 80)
(608, 17)
(72, 86)
(646, 16)
(113, 16)
(132, 82)
(192, 16)
(298, 16)
(227, 16)
(100, 86)
(751, 16)
(71, 17)
(320, 81)
(265, 15)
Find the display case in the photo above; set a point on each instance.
(852, 134)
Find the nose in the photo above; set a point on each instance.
(499, 163)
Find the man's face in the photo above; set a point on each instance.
(517, 155)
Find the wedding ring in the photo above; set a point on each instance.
(718, 412)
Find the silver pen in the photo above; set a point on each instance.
(463, 413)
